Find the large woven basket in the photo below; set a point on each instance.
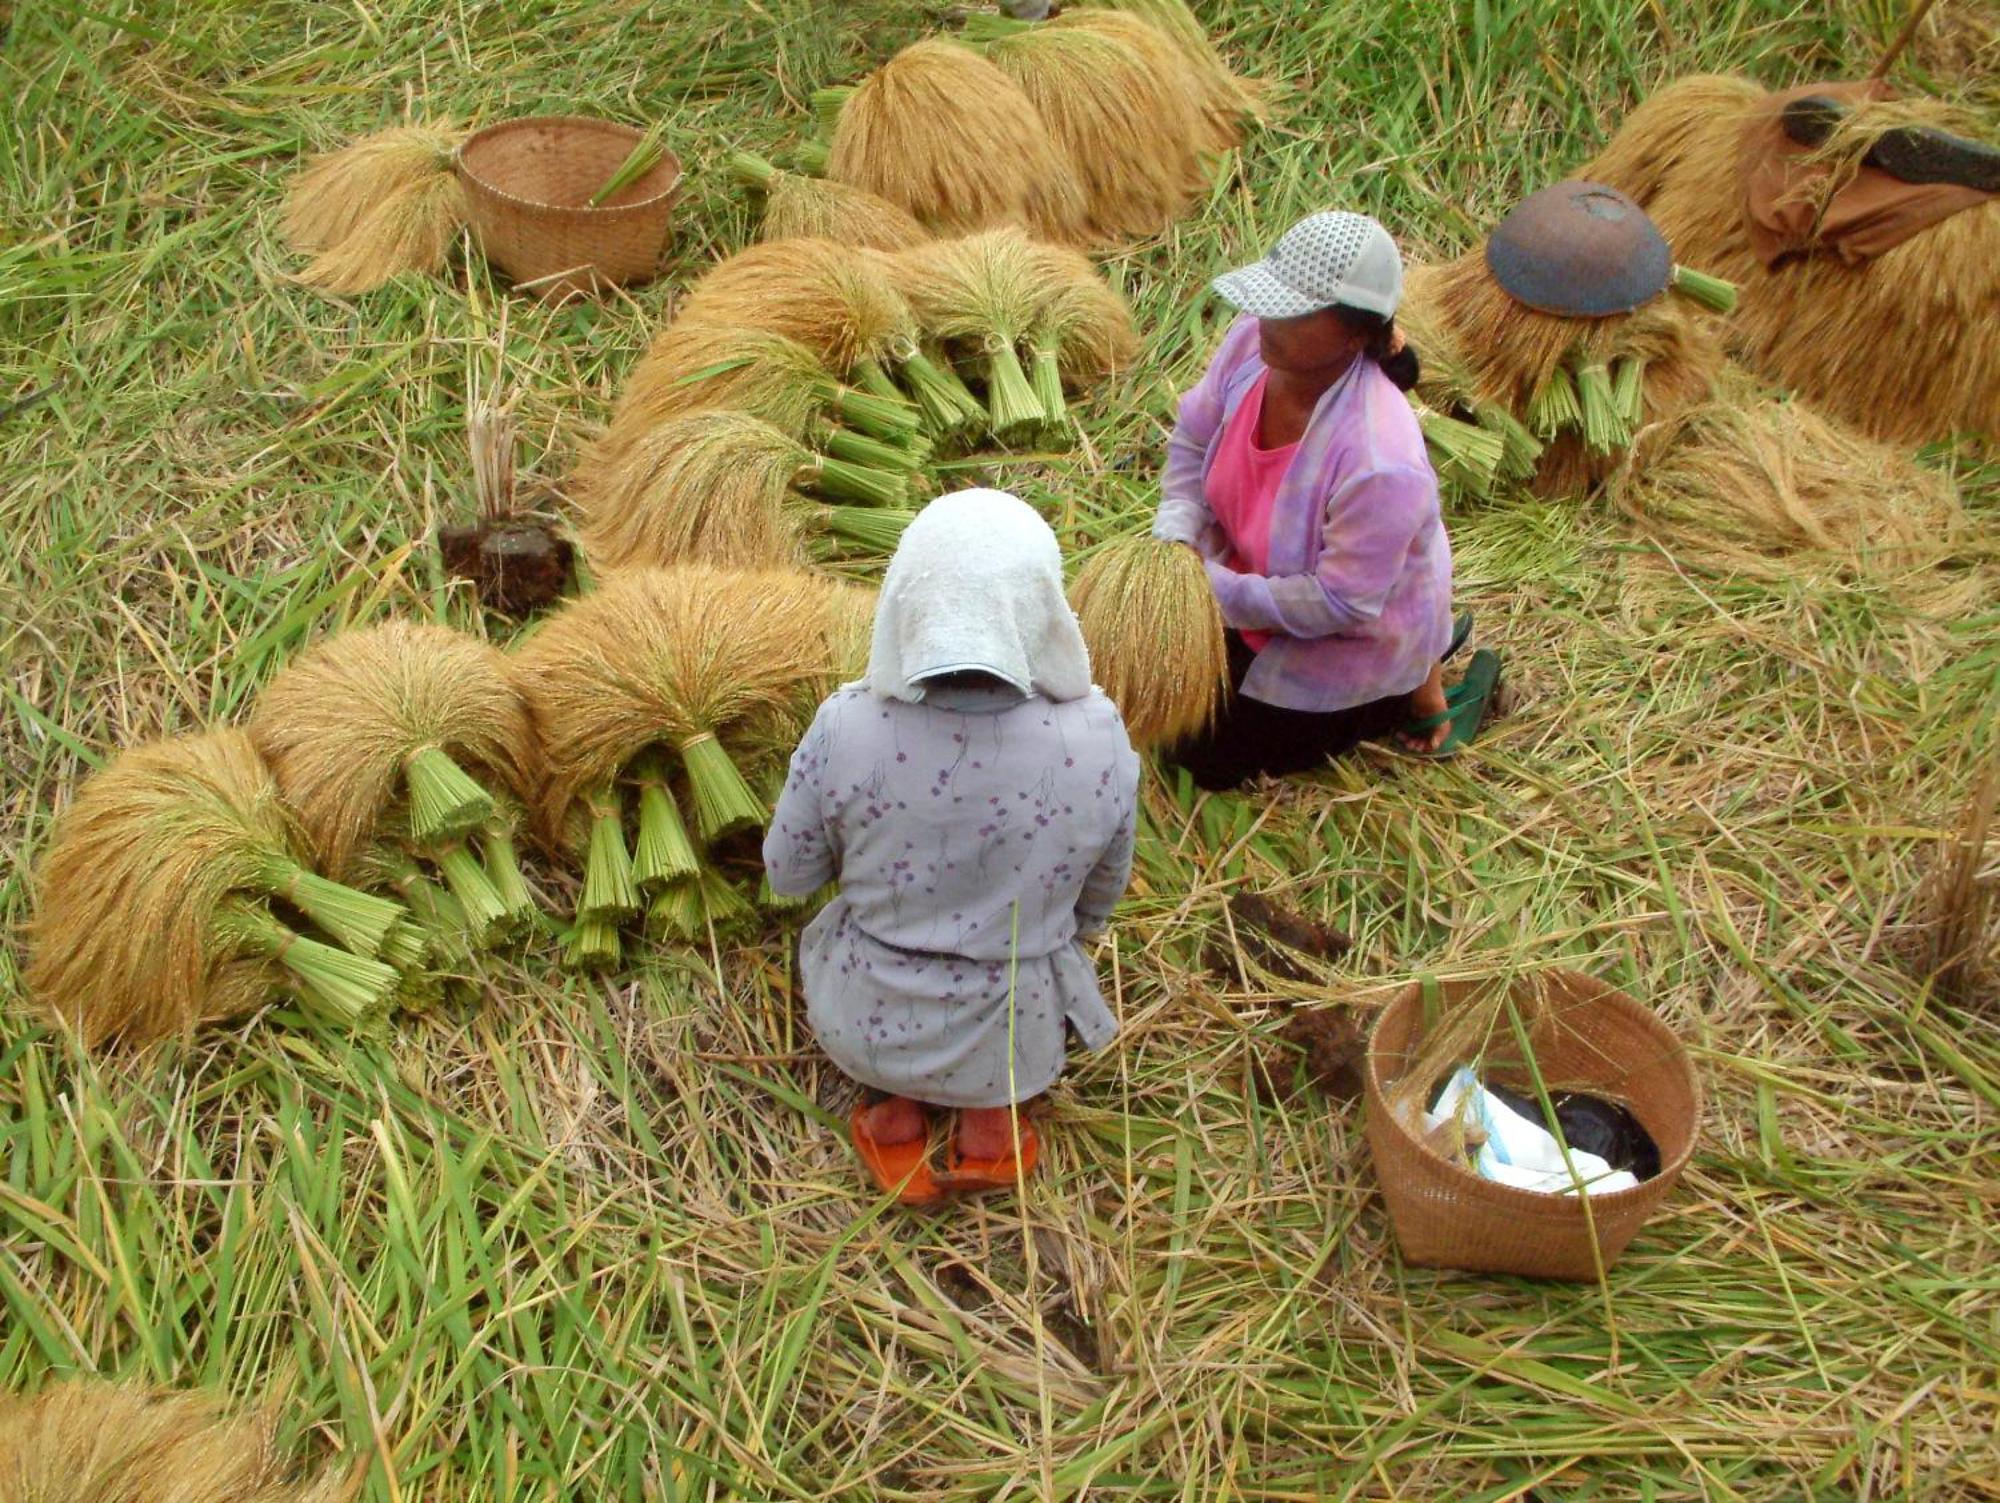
(528, 185)
(1587, 1037)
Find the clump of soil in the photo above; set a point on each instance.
(1322, 1048)
(1273, 937)
(517, 565)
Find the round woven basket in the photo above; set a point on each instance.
(1586, 1037)
(527, 188)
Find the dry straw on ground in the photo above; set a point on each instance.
(945, 135)
(88, 1440)
(1155, 637)
(1905, 346)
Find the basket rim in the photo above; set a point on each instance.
(668, 159)
(1513, 1195)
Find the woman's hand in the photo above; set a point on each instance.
(1396, 339)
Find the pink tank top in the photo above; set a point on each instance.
(1241, 489)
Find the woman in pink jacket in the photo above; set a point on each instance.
(1298, 473)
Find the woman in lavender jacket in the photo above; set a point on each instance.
(1298, 472)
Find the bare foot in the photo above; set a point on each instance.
(1425, 702)
(986, 1132)
(896, 1120)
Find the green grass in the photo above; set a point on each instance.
(604, 1238)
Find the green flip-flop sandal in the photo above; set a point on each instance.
(1465, 704)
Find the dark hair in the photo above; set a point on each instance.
(965, 678)
(1375, 331)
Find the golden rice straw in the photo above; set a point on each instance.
(1155, 636)
(1083, 332)
(92, 1441)
(1229, 100)
(330, 197)
(1131, 132)
(670, 659)
(1770, 487)
(1221, 101)
(131, 940)
(371, 716)
(828, 297)
(946, 136)
(412, 230)
(797, 206)
(984, 292)
(1814, 323)
(708, 487)
(1510, 353)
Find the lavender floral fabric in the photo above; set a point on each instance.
(976, 837)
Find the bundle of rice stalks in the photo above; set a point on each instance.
(1155, 637)
(1772, 488)
(1813, 322)
(720, 488)
(412, 733)
(387, 204)
(797, 206)
(1083, 332)
(1578, 388)
(634, 688)
(176, 893)
(93, 1441)
(1130, 126)
(983, 293)
(949, 138)
(704, 367)
(1227, 100)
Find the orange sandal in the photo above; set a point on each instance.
(902, 1168)
(963, 1176)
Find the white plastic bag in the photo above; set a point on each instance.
(1514, 1150)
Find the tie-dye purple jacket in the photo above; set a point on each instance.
(1359, 593)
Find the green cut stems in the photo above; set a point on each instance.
(686, 910)
(592, 946)
(334, 984)
(664, 854)
(1711, 292)
(1045, 376)
(676, 911)
(1473, 454)
(503, 870)
(642, 159)
(435, 909)
(485, 911)
(1554, 407)
(1604, 428)
(418, 992)
(1628, 386)
(827, 104)
(407, 947)
(811, 157)
(851, 447)
(1010, 401)
(893, 419)
(723, 801)
(361, 921)
(990, 26)
(873, 379)
(874, 529)
(947, 402)
(1522, 449)
(839, 481)
(609, 894)
(445, 803)
(751, 170)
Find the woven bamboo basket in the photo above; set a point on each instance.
(528, 184)
(1586, 1036)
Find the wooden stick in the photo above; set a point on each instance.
(1903, 39)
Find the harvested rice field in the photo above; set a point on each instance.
(601, 1235)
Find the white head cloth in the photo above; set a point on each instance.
(976, 585)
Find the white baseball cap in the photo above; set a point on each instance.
(1322, 260)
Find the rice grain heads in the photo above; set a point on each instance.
(1128, 121)
(827, 297)
(797, 206)
(1155, 636)
(403, 724)
(387, 204)
(1813, 322)
(949, 138)
(86, 1440)
(154, 913)
(1228, 100)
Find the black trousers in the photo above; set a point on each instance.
(1250, 738)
